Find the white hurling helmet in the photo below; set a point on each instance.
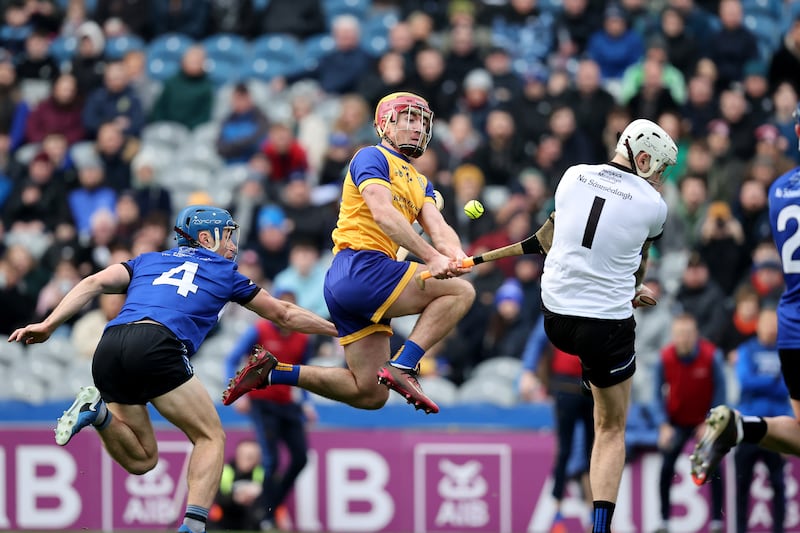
(643, 135)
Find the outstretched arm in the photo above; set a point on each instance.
(290, 316)
(112, 279)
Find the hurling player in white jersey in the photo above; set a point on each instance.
(608, 215)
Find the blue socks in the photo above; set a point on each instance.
(284, 374)
(408, 355)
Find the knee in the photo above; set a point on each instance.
(140, 467)
(466, 292)
(372, 399)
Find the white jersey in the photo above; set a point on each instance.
(603, 217)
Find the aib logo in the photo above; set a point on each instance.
(462, 487)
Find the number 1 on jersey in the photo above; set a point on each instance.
(591, 224)
(186, 282)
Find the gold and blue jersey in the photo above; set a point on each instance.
(356, 229)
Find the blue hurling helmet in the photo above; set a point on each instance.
(196, 218)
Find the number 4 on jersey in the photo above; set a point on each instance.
(185, 283)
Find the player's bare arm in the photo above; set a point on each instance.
(443, 237)
(290, 316)
(392, 222)
(113, 279)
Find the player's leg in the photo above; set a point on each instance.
(129, 438)
(190, 408)
(608, 452)
(355, 385)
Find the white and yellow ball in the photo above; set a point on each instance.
(473, 209)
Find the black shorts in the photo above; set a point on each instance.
(790, 368)
(605, 347)
(134, 363)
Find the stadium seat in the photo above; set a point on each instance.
(164, 55)
(273, 55)
(82, 151)
(440, 390)
(200, 155)
(117, 47)
(334, 8)
(494, 391)
(506, 368)
(205, 134)
(26, 152)
(34, 91)
(766, 30)
(226, 55)
(315, 48)
(170, 135)
(63, 48)
(772, 8)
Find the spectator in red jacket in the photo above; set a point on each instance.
(691, 380)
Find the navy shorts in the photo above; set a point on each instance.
(359, 287)
(134, 363)
(605, 347)
(790, 367)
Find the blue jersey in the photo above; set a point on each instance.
(184, 289)
(784, 219)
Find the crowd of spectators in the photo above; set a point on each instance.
(114, 115)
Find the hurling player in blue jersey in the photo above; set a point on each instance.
(725, 428)
(173, 299)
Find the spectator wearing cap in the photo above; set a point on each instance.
(114, 101)
(61, 112)
(533, 109)
(271, 239)
(733, 45)
(756, 91)
(476, 98)
(507, 333)
(615, 46)
(591, 104)
(187, 97)
(784, 66)
(92, 195)
(88, 65)
(243, 130)
(701, 297)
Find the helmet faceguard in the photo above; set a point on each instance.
(197, 218)
(409, 113)
(642, 135)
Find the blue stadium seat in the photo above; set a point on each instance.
(63, 48)
(334, 8)
(226, 46)
(773, 8)
(226, 56)
(164, 55)
(316, 47)
(375, 33)
(117, 47)
(274, 55)
(767, 30)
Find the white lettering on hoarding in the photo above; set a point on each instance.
(461, 487)
(306, 496)
(33, 487)
(370, 488)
